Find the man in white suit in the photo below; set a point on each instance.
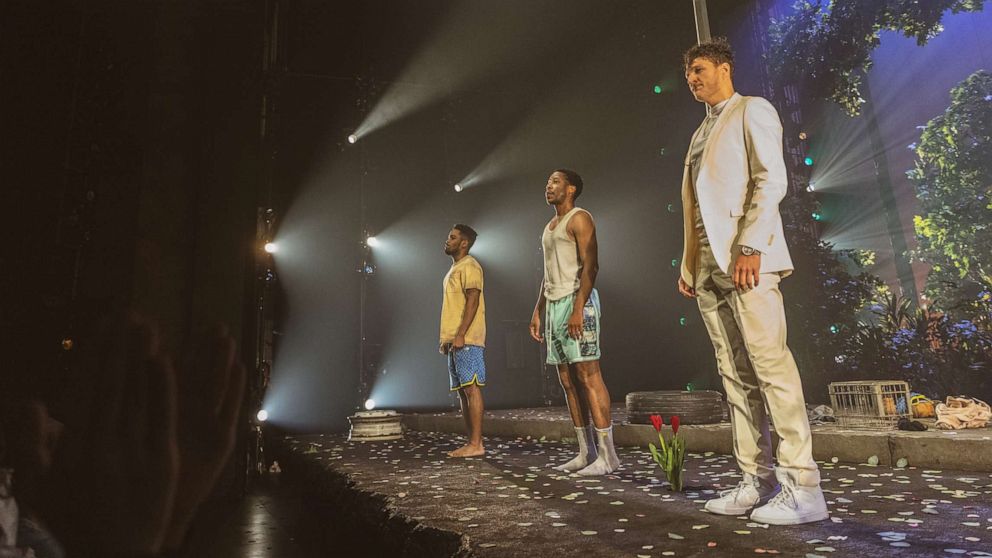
(733, 258)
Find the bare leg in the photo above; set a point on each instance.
(574, 397)
(579, 411)
(596, 396)
(472, 409)
(598, 400)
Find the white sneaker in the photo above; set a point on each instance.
(738, 500)
(795, 504)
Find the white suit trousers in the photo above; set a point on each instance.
(748, 332)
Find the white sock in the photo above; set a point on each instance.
(587, 450)
(607, 462)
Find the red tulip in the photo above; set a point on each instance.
(657, 422)
(675, 424)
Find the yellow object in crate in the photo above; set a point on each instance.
(874, 404)
(923, 407)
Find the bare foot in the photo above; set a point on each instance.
(468, 450)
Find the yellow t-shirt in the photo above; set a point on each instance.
(465, 274)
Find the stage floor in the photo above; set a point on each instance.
(966, 450)
(419, 502)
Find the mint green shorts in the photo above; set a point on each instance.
(563, 349)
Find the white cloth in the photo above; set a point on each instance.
(695, 157)
(741, 180)
(562, 268)
(748, 332)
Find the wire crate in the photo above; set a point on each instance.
(875, 404)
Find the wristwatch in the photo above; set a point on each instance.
(748, 251)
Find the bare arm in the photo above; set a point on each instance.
(583, 229)
(535, 319)
(468, 315)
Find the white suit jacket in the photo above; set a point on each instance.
(738, 194)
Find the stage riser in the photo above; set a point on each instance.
(962, 450)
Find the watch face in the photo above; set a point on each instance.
(747, 250)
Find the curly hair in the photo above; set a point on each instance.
(574, 179)
(467, 232)
(717, 50)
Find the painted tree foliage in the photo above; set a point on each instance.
(953, 179)
(826, 47)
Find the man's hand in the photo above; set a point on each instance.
(746, 271)
(443, 348)
(575, 324)
(685, 289)
(535, 328)
(458, 343)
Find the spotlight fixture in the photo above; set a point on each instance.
(372, 242)
(835, 329)
(271, 247)
(817, 216)
(369, 404)
(657, 89)
(262, 415)
(808, 161)
(802, 135)
(352, 138)
(458, 187)
(811, 187)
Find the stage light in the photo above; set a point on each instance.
(271, 247)
(808, 161)
(262, 415)
(458, 187)
(683, 321)
(802, 135)
(657, 89)
(675, 262)
(817, 216)
(352, 138)
(811, 186)
(369, 404)
(372, 241)
(835, 329)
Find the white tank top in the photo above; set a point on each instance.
(561, 259)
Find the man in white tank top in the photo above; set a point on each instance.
(570, 306)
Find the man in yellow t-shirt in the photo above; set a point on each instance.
(463, 333)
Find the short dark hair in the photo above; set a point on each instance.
(574, 179)
(466, 232)
(717, 50)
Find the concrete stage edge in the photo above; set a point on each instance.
(962, 450)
